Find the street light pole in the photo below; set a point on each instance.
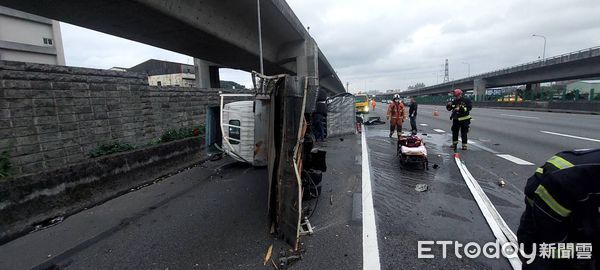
(260, 47)
(544, 52)
(468, 69)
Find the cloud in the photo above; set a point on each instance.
(88, 48)
(390, 44)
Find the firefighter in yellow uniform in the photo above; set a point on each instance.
(562, 209)
(460, 107)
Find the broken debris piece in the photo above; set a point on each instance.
(269, 253)
(421, 187)
(501, 183)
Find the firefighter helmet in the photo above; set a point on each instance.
(457, 92)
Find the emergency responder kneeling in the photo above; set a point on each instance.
(562, 201)
(460, 107)
(396, 115)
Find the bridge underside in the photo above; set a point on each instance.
(223, 32)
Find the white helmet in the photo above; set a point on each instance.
(396, 96)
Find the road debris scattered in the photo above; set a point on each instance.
(501, 183)
(48, 223)
(268, 255)
(215, 157)
(435, 166)
(289, 258)
(274, 264)
(421, 187)
(374, 121)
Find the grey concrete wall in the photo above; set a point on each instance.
(52, 116)
(33, 198)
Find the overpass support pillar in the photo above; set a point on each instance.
(307, 63)
(303, 57)
(533, 88)
(307, 66)
(207, 74)
(479, 86)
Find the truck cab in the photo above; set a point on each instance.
(361, 103)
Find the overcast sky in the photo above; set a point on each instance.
(390, 44)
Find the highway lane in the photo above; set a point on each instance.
(519, 135)
(520, 132)
(447, 211)
(506, 145)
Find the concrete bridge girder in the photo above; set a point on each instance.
(224, 32)
(581, 66)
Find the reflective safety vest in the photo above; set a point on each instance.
(396, 110)
(563, 201)
(464, 106)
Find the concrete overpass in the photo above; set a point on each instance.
(224, 33)
(576, 65)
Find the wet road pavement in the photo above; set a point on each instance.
(447, 211)
(405, 216)
(214, 217)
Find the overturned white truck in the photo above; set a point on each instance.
(273, 128)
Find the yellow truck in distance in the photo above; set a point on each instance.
(361, 103)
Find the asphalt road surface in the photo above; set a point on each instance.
(504, 145)
(214, 216)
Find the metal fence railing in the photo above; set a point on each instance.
(549, 96)
(572, 56)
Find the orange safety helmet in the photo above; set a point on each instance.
(457, 92)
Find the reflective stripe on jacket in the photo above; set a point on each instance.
(563, 200)
(396, 110)
(464, 106)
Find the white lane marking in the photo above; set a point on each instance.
(423, 125)
(496, 223)
(570, 136)
(520, 116)
(439, 130)
(369, 234)
(514, 159)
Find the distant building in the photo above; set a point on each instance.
(178, 79)
(584, 87)
(118, 69)
(30, 38)
(165, 73)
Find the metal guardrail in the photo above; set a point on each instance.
(563, 58)
(547, 96)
